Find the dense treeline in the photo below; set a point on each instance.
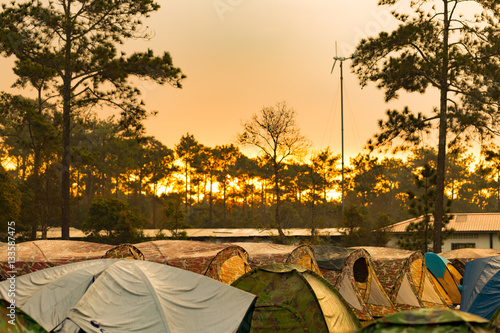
(121, 182)
(69, 167)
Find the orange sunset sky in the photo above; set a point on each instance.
(242, 55)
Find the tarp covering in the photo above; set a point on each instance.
(119, 295)
(430, 320)
(261, 254)
(35, 255)
(291, 298)
(481, 287)
(406, 279)
(446, 274)
(222, 262)
(350, 271)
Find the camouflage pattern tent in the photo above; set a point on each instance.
(291, 298)
(266, 253)
(430, 320)
(35, 255)
(125, 251)
(350, 271)
(406, 279)
(17, 321)
(222, 262)
(459, 257)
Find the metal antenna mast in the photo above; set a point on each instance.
(341, 59)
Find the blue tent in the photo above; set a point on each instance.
(481, 287)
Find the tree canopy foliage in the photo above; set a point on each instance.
(227, 189)
(70, 48)
(438, 44)
(59, 154)
(274, 131)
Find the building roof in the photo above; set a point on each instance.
(461, 222)
(216, 233)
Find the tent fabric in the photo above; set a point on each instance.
(261, 254)
(430, 320)
(481, 287)
(406, 279)
(125, 251)
(14, 320)
(459, 257)
(495, 319)
(446, 274)
(350, 271)
(436, 264)
(118, 295)
(222, 262)
(35, 255)
(291, 298)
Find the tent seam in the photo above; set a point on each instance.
(153, 294)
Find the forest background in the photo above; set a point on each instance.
(121, 184)
(115, 178)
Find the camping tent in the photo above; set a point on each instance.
(125, 251)
(481, 287)
(222, 262)
(430, 320)
(118, 295)
(459, 257)
(446, 274)
(14, 320)
(35, 255)
(291, 298)
(261, 254)
(406, 280)
(350, 271)
(495, 319)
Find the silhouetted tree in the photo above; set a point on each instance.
(434, 46)
(77, 39)
(275, 132)
(187, 149)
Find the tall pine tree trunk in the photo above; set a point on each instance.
(65, 181)
(443, 126)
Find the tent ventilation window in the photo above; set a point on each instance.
(360, 269)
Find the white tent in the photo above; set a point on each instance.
(119, 295)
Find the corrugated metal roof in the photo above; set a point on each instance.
(200, 233)
(461, 222)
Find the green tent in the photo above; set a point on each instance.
(291, 298)
(14, 320)
(430, 320)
